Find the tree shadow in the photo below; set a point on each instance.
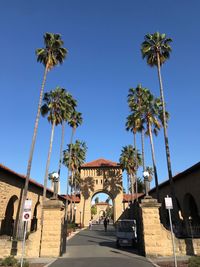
(112, 180)
(86, 187)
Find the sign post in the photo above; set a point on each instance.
(169, 207)
(26, 217)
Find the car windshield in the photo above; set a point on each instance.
(125, 226)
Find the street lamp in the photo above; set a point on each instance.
(75, 213)
(190, 224)
(54, 176)
(80, 220)
(191, 231)
(146, 182)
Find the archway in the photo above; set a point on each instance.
(190, 209)
(100, 176)
(7, 225)
(101, 207)
(36, 216)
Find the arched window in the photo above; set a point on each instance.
(7, 225)
(190, 209)
(34, 221)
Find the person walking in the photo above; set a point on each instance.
(90, 225)
(105, 222)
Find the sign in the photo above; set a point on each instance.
(27, 210)
(168, 203)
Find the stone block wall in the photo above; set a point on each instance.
(52, 228)
(158, 240)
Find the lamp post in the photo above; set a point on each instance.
(75, 214)
(190, 224)
(146, 182)
(80, 220)
(54, 176)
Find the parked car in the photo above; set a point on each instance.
(126, 234)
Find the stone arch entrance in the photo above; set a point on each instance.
(100, 176)
(103, 208)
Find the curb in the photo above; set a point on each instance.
(74, 233)
(46, 265)
(154, 264)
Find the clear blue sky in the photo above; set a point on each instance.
(104, 61)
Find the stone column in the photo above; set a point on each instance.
(52, 228)
(152, 235)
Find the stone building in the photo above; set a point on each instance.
(187, 192)
(102, 176)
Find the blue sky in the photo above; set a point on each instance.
(104, 61)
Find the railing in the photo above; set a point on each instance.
(185, 230)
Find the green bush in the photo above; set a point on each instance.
(71, 225)
(194, 262)
(9, 261)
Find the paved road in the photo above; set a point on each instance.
(96, 248)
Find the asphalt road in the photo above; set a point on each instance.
(97, 248)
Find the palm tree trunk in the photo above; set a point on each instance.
(132, 188)
(74, 216)
(61, 153)
(45, 182)
(19, 224)
(143, 164)
(67, 190)
(143, 159)
(136, 184)
(71, 201)
(48, 162)
(172, 189)
(154, 161)
(128, 184)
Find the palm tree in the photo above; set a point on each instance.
(70, 108)
(135, 102)
(152, 118)
(74, 121)
(130, 159)
(51, 55)
(156, 49)
(73, 157)
(134, 120)
(133, 124)
(54, 108)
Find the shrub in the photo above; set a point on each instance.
(71, 225)
(9, 261)
(194, 262)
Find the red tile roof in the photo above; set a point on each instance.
(31, 181)
(128, 197)
(102, 203)
(101, 163)
(75, 199)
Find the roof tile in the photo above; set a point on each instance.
(101, 163)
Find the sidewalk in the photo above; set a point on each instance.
(168, 261)
(45, 262)
(75, 232)
(39, 262)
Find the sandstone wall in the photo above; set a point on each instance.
(158, 240)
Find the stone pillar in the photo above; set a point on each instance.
(52, 228)
(151, 226)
